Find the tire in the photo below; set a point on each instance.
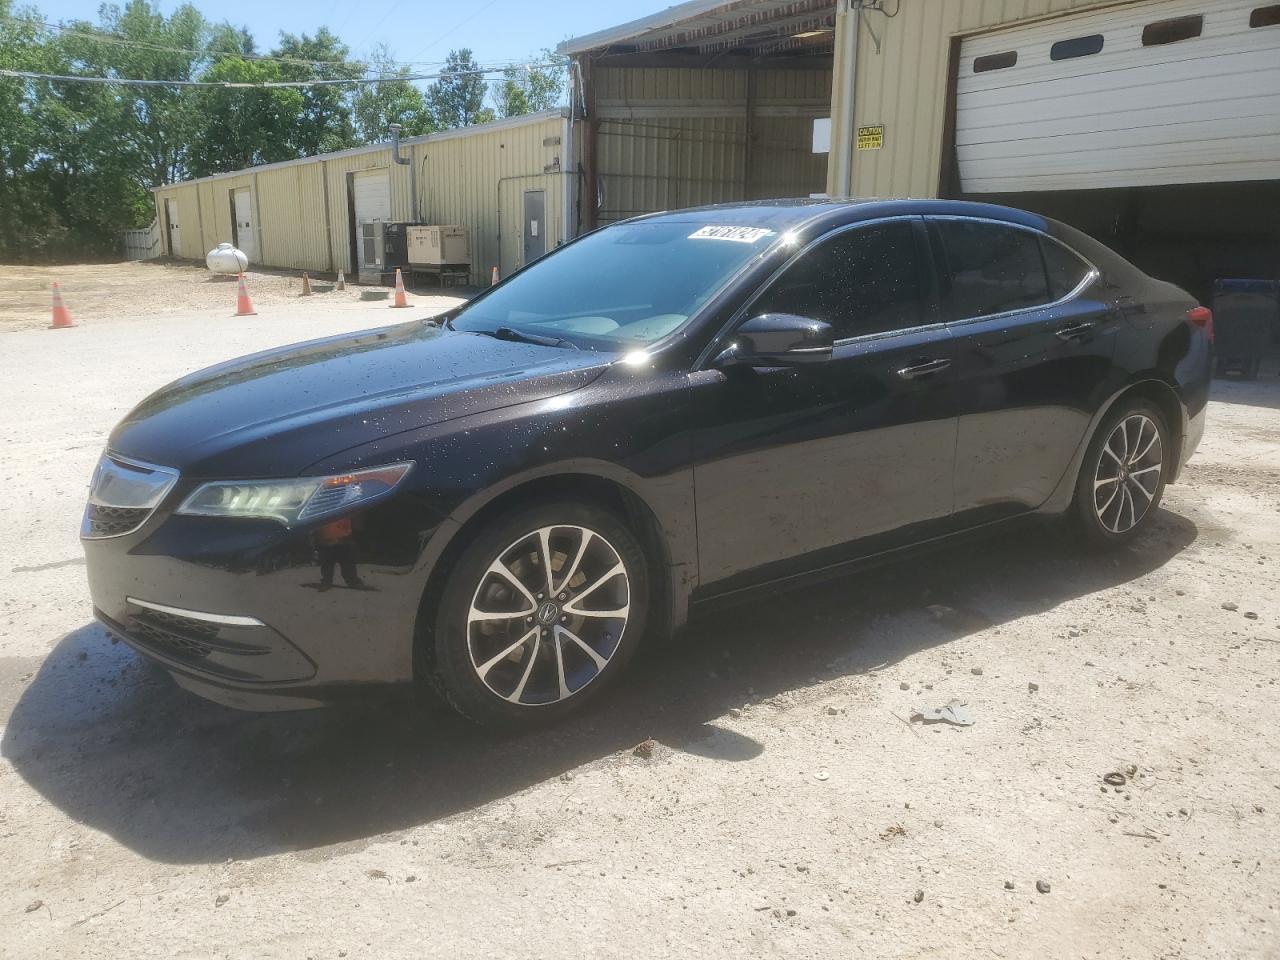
(1102, 518)
(508, 654)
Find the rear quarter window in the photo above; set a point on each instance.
(1065, 270)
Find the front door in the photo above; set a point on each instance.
(1035, 341)
(242, 212)
(535, 225)
(846, 457)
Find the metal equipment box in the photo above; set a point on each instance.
(439, 245)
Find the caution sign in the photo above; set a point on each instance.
(871, 138)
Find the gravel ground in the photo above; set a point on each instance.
(120, 292)
(786, 807)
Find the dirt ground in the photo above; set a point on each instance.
(119, 292)
(788, 809)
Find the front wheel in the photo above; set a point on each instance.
(1123, 475)
(541, 613)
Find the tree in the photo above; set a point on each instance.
(242, 128)
(530, 89)
(378, 105)
(324, 123)
(457, 98)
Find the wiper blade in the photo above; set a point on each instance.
(519, 336)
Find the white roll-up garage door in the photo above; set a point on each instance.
(371, 193)
(1169, 91)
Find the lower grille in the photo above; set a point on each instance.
(103, 521)
(180, 636)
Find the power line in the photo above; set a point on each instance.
(265, 85)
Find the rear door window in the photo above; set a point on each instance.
(863, 281)
(1066, 271)
(989, 268)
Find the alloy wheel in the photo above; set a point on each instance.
(548, 615)
(1128, 474)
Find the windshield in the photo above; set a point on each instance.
(623, 287)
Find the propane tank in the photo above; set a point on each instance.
(224, 258)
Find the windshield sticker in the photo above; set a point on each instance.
(732, 234)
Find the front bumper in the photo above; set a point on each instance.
(259, 616)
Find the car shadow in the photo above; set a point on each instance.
(118, 747)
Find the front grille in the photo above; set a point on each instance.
(177, 635)
(103, 521)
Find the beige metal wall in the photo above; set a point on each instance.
(457, 177)
(478, 181)
(678, 137)
(904, 86)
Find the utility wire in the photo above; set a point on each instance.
(272, 84)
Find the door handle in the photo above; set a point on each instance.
(924, 369)
(1077, 331)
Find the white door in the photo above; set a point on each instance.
(171, 219)
(246, 239)
(371, 197)
(1170, 91)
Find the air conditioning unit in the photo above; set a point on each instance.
(436, 246)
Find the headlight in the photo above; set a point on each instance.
(291, 501)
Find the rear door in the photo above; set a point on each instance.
(371, 201)
(1035, 341)
(804, 466)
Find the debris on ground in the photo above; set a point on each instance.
(821, 775)
(1114, 779)
(1033, 688)
(893, 831)
(1230, 607)
(955, 713)
(1043, 886)
(919, 896)
(976, 671)
(644, 749)
(221, 898)
(33, 906)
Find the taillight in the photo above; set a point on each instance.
(1202, 317)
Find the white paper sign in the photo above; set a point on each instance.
(732, 234)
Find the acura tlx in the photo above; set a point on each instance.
(504, 502)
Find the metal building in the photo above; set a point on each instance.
(1152, 124)
(505, 181)
(708, 101)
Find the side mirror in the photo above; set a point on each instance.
(778, 340)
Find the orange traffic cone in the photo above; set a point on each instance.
(306, 285)
(401, 300)
(61, 315)
(493, 280)
(244, 306)
(342, 281)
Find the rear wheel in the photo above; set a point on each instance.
(541, 613)
(1123, 475)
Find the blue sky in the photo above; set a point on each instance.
(497, 30)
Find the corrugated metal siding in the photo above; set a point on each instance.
(457, 179)
(904, 85)
(677, 137)
(479, 182)
(291, 205)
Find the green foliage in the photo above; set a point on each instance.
(457, 98)
(525, 90)
(377, 106)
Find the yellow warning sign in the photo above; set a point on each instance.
(871, 138)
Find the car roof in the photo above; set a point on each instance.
(791, 214)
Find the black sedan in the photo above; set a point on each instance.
(506, 501)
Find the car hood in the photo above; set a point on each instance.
(275, 413)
